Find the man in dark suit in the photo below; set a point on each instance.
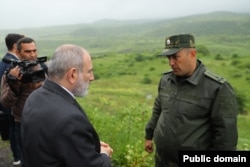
(20, 81)
(56, 131)
(10, 41)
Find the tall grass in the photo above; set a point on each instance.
(119, 105)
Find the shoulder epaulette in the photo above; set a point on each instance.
(214, 76)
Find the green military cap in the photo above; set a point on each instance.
(175, 43)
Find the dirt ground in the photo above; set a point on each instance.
(5, 154)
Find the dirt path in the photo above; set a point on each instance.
(5, 154)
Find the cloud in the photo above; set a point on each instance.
(30, 13)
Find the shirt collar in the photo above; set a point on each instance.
(67, 91)
(13, 54)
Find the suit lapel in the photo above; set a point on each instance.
(53, 87)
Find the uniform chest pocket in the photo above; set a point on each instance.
(194, 109)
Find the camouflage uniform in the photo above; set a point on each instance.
(198, 113)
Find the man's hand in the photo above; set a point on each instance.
(106, 149)
(149, 146)
(15, 72)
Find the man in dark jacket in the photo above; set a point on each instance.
(16, 86)
(56, 131)
(194, 110)
(10, 41)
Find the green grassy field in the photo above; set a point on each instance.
(119, 102)
(127, 71)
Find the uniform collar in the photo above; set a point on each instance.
(195, 77)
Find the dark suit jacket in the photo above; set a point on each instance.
(57, 133)
(3, 67)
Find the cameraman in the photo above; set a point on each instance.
(14, 90)
(10, 41)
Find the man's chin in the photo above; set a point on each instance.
(177, 73)
(83, 94)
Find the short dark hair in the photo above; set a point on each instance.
(23, 40)
(11, 39)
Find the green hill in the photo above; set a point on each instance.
(232, 30)
(127, 70)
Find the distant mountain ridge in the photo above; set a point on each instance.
(216, 22)
(204, 24)
(105, 33)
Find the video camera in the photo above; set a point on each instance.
(28, 74)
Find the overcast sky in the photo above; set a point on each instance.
(16, 14)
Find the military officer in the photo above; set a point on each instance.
(195, 109)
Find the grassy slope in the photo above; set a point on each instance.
(119, 104)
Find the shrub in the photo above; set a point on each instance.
(146, 80)
(247, 65)
(97, 76)
(131, 64)
(139, 58)
(203, 50)
(218, 57)
(151, 69)
(235, 62)
(241, 100)
(234, 56)
(237, 75)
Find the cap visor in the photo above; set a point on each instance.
(168, 52)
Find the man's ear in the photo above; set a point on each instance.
(193, 53)
(14, 46)
(72, 75)
(18, 53)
